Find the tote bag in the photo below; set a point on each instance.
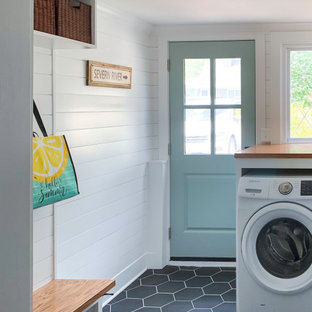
(54, 176)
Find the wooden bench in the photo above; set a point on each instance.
(71, 295)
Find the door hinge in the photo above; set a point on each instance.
(168, 65)
(169, 233)
(169, 149)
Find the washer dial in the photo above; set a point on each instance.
(285, 188)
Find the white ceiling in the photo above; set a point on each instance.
(215, 11)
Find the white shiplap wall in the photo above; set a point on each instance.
(43, 217)
(112, 134)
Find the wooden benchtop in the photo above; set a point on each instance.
(288, 150)
(69, 295)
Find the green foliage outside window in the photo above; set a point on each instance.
(301, 94)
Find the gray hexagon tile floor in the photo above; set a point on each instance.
(179, 289)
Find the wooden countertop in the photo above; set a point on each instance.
(69, 295)
(288, 150)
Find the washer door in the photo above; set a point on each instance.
(277, 247)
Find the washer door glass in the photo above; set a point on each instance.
(284, 248)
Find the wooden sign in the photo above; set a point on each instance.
(108, 75)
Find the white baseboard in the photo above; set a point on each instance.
(203, 263)
(127, 276)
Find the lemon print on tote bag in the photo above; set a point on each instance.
(50, 157)
(54, 176)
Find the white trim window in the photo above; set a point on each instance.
(299, 94)
(282, 45)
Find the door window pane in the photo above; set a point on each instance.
(197, 82)
(300, 94)
(197, 131)
(228, 81)
(227, 131)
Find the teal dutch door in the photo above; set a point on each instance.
(212, 115)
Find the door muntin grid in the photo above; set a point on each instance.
(224, 107)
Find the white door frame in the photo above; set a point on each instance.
(167, 34)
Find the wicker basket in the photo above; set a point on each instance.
(44, 16)
(73, 22)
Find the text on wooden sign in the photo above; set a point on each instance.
(109, 75)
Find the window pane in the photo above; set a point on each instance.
(197, 131)
(197, 82)
(300, 94)
(228, 81)
(227, 131)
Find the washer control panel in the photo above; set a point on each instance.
(290, 187)
(285, 188)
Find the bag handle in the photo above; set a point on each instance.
(39, 120)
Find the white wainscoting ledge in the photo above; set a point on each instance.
(158, 218)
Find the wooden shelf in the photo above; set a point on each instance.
(48, 41)
(69, 295)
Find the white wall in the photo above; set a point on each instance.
(43, 217)
(15, 156)
(112, 134)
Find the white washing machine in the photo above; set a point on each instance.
(274, 243)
